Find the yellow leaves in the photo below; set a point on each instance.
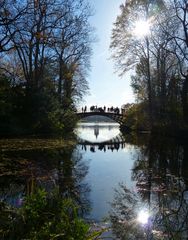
(6, 13)
(37, 34)
(68, 75)
(70, 70)
(36, 3)
(40, 35)
(43, 9)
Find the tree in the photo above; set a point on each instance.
(128, 48)
(72, 50)
(180, 40)
(48, 46)
(159, 57)
(9, 13)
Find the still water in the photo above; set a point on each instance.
(110, 161)
(137, 184)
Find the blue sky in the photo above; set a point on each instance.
(106, 87)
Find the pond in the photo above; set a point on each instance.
(137, 184)
(110, 162)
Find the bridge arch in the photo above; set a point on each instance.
(117, 139)
(115, 143)
(117, 117)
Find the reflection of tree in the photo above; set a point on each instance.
(168, 220)
(171, 216)
(22, 171)
(71, 173)
(160, 171)
(123, 215)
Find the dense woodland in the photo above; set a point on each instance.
(159, 59)
(45, 46)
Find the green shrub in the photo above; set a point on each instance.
(44, 217)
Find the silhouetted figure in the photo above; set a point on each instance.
(116, 110)
(92, 149)
(82, 109)
(116, 146)
(111, 109)
(85, 109)
(100, 110)
(101, 146)
(104, 108)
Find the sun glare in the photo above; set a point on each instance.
(143, 217)
(142, 28)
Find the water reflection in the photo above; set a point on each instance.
(110, 162)
(150, 203)
(97, 132)
(22, 172)
(102, 147)
(161, 174)
(101, 137)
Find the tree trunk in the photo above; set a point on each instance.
(60, 80)
(185, 99)
(149, 84)
(163, 87)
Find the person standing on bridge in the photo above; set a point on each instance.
(85, 109)
(104, 108)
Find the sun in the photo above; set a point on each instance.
(143, 217)
(141, 28)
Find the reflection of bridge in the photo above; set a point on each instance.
(117, 139)
(117, 117)
(115, 143)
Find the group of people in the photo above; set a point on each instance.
(103, 147)
(102, 109)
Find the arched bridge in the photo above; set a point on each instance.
(117, 117)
